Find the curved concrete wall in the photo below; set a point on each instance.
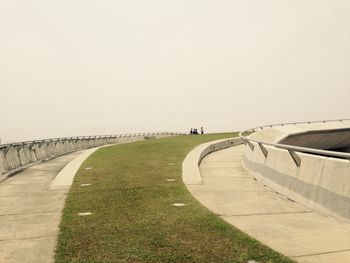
(18, 156)
(190, 166)
(320, 183)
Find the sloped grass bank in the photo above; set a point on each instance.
(133, 219)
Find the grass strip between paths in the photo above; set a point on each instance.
(133, 219)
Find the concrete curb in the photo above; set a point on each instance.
(64, 179)
(190, 166)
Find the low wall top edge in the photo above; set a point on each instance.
(294, 148)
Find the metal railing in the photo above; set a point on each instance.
(81, 138)
(291, 149)
(17, 156)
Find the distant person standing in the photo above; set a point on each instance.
(202, 131)
(191, 131)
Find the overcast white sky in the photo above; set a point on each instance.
(85, 67)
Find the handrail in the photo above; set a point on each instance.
(75, 138)
(15, 157)
(291, 148)
(293, 123)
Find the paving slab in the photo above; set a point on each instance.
(211, 172)
(26, 226)
(246, 202)
(22, 189)
(30, 212)
(335, 257)
(32, 203)
(231, 184)
(297, 234)
(24, 180)
(32, 250)
(287, 227)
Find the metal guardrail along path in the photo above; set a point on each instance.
(291, 149)
(15, 157)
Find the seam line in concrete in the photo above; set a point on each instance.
(33, 213)
(2, 183)
(238, 177)
(229, 191)
(26, 238)
(266, 214)
(319, 181)
(322, 253)
(25, 195)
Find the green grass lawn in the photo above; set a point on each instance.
(133, 219)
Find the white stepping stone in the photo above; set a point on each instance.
(88, 168)
(85, 214)
(171, 164)
(170, 180)
(82, 185)
(179, 204)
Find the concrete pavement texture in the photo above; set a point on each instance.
(31, 210)
(285, 226)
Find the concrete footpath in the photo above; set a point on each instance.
(285, 226)
(30, 212)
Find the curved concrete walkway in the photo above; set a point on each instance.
(295, 231)
(31, 209)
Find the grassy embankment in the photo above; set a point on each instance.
(133, 219)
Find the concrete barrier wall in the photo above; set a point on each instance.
(190, 166)
(320, 183)
(18, 156)
(217, 146)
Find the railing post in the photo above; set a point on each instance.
(32, 146)
(251, 146)
(6, 150)
(295, 157)
(263, 149)
(19, 147)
